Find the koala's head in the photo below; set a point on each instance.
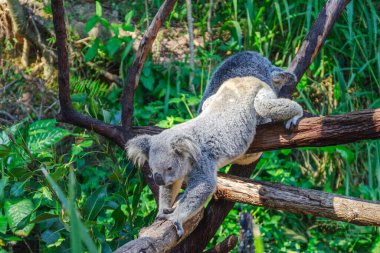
(170, 156)
(281, 78)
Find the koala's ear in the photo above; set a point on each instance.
(185, 145)
(138, 149)
(281, 77)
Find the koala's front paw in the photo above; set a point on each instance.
(163, 214)
(173, 218)
(292, 122)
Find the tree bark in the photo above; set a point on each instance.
(297, 200)
(314, 41)
(161, 235)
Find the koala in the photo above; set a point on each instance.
(242, 93)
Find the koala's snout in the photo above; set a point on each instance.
(158, 179)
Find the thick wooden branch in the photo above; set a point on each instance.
(142, 53)
(297, 200)
(311, 132)
(319, 131)
(314, 41)
(161, 236)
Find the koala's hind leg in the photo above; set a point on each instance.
(268, 105)
(167, 197)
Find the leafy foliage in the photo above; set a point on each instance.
(90, 195)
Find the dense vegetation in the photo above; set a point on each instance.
(46, 165)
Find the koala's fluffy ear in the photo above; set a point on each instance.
(185, 145)
(138, 149)
(281, 77)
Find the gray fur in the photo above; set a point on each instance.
(240, 95)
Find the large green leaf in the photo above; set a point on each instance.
(113, 45)
(95, 203)
(16, 211)
(50, 237)
(44, 134)
(91, 23)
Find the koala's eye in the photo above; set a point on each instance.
(170, 168)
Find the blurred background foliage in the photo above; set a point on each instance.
(61, 185)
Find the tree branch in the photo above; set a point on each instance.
(297, 200)
(311, 132)
(226, 246)
(314, 41)
(67, 113)
(134, 71)
(161, 236)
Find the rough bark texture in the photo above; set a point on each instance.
(314, 41)
(159, 237)
(297, 200)
(319, 131)
(134, 71)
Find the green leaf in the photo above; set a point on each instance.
(16, 212)
(95, 203)
(105, 23)
(113, 45)
(3, 224)
(50, 237)
(3, 183)
(92, 51)
(4, 150)
(98, 10)
(91, 23)
(129, 16)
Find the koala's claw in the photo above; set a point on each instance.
(292, 122)
(178, 226)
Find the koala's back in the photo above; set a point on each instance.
(243, 64)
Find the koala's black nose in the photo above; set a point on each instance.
(158, 179)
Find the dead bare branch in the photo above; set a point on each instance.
(314, 41)
(134, 72)
(297, 200)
